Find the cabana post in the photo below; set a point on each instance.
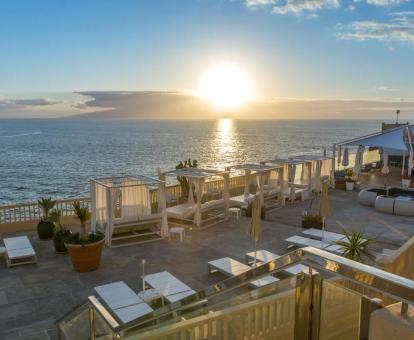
(294, 189)
(121, 207)
(200, 213)
(321, 169)
(269, 180)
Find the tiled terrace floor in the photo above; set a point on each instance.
(32, 297)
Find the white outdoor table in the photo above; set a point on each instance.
(177, 230)
(230, 267)
(235, 212)
(122, 301)
(168, 286)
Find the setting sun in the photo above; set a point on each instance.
(226, 86)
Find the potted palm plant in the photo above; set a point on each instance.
(355, 245)
(45, 227)
(60, 232)
(349, 181)
(84, 248)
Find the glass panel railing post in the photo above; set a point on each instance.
(368, 305)
(92, 330)
(307, 306)
(316, 305)
(302, 306)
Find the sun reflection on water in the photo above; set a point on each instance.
(225, 140)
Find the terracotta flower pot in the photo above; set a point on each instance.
(85, 258)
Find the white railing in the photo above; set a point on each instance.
(29, 212)
(272, 317)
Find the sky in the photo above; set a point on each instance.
(291, 49)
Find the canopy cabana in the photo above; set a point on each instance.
(196, 210)
(294, 186)
(392, 142)
(321, 170)
(122, 208)
(268, 179)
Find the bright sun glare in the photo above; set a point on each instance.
(226, 86)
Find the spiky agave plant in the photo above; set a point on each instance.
(83, 215)
(46, 204)
(355, 245)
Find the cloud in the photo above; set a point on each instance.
(386, 2)
(385, 89)
(33, 102)
(399, 28)
(298, 6)
(258, 3)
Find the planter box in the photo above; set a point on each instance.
(311, 224)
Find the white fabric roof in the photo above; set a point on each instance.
(392, 139)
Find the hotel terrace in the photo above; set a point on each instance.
(187, 256)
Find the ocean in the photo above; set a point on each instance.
(58, 157)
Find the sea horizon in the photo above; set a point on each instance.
(58, 157)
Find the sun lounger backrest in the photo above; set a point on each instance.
(122, 301)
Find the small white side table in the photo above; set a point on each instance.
(177, 230)
(235, 212)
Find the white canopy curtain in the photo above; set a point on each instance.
(196, 178)
(135, 202)
(358, 161)
(260, 185)
(199, 188)
(247, 182)
(320, 168)
(385, 169)
(268, 178)
(162, 204)
(99, 213)
(292, 175)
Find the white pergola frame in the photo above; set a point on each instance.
(112, 184)
(317, 161)
(197, 177)
(260, 170)
(409, 145)
(287, 163)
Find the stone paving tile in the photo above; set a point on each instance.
(34, 296)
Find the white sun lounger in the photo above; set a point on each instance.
(122, 301)
(19, 251)
(230, 267)
(326, 235)
(187, 210)
(181, 211)
(300, 241)
(241, 201)
(167, 285)
(265, 256)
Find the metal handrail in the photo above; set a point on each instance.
(390, 284)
